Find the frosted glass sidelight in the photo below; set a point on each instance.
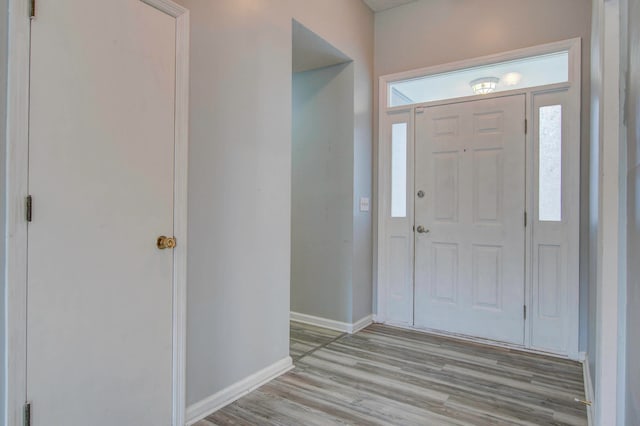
(399, 170)
(550, 164)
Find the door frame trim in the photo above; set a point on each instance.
(17, 172)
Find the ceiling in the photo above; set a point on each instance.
(380, 5)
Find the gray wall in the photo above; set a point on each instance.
(632, 121)
(240, 176)
(434, 32)
(594, 184)
(322, 193)
(3, 97)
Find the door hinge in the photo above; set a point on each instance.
(526, 126)
(32, 9)
(419, 110)
(27, 414)
(29, 207)
(525, 219)
(524, 311)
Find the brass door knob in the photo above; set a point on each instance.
(166, 242)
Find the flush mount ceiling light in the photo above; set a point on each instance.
(484, 85)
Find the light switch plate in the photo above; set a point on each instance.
(364, 204)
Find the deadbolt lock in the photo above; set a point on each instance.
(166, 242)
(420, 194)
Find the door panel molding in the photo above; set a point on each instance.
(395, 238)
(16, 190)
(490, 147)
(554, 244)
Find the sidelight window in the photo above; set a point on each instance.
(399, 170)
(550, 163)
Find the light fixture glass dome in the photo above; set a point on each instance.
(484, 85)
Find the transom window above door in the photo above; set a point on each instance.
(540, 70)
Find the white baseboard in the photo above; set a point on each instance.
(345, 327)
(213, 403)
(363, 323)
(588, 390)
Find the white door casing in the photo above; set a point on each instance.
(107, 172)
(551, 259)
(469, 266)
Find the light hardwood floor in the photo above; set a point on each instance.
(389, 376)
(304, 339)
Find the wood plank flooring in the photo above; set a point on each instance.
(304, 339)
(389, 376)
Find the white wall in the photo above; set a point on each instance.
(322, 193)
(240, 177)
(631, 81)
(615, 211)
(434, 32)
(606, 233)
(594, 181)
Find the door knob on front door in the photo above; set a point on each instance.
(166, 242)
(422, 230)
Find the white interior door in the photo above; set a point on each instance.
(101, 173)
(469, 205)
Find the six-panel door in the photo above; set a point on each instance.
(469, 257)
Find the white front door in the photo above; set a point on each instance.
(101, 173)
(469, 218)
